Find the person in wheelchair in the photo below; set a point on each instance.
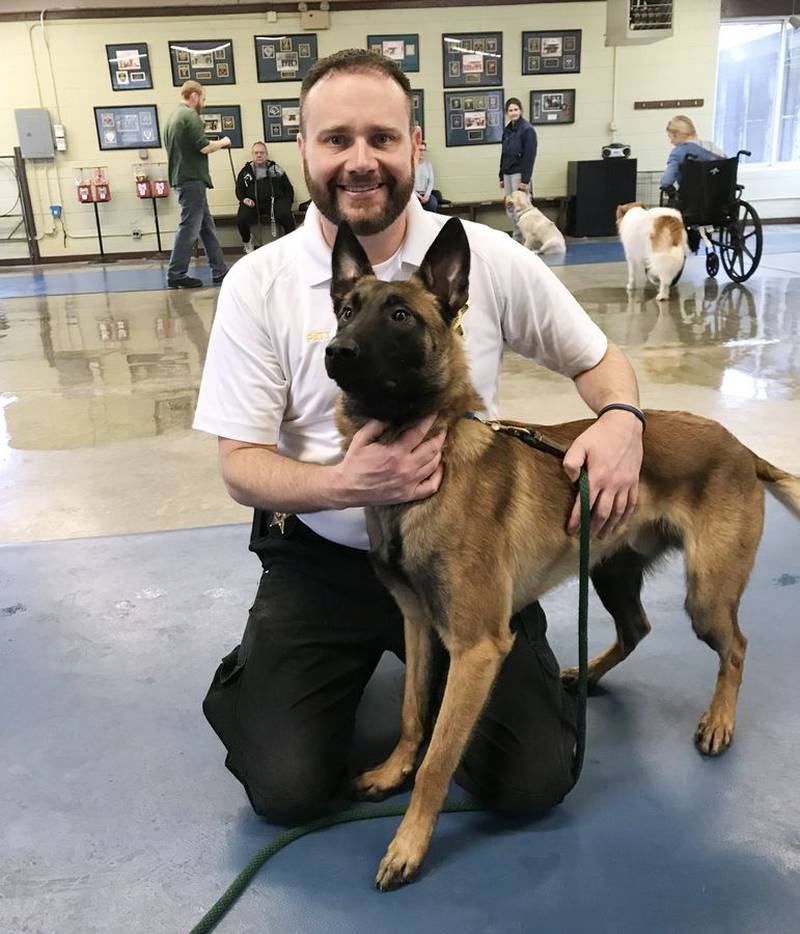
(683, 136)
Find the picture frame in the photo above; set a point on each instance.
(551, 51)
(228, 119)
(552, 106)
(418, 108)
(401, 48)
(466, 58)
(281, 118)
(476, 120)
(129, 66)
(127, 127)
(209, 61)
(284, 58)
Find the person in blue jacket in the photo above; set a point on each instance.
(517, 157)
(683, 136)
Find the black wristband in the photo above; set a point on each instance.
(625, 408)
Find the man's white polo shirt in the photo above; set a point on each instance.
(264, 379)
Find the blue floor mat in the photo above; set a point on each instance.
(149, 276)
(117, 813)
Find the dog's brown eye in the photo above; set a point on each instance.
(400, 314)
(347, 312)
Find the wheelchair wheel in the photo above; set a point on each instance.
(712, 264)
(741, 242)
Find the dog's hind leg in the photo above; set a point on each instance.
(473, 669)
(377, 783)
(717, 570)
(618, 582)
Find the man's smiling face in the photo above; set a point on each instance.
(358, 149)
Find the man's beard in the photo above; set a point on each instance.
(398, 194)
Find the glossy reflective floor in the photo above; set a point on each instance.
(97, 390)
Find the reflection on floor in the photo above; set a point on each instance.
(97, 391)
(117, 813)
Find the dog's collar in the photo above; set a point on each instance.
(530, 436)
(456, 325)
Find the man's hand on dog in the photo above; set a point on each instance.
(611, 450)
(408, 469)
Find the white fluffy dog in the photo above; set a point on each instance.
(541, 234)
(655, 245)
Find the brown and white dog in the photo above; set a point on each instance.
(541, 234)
(655, 245)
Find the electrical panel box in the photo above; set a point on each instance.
(35, 133)
(315, 19)
(636, 22)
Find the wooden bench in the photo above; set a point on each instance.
(469, 209)
(472, 209)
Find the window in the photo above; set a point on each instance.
(758, 90)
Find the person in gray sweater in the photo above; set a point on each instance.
(423, 180)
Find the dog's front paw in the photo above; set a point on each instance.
(630, 286)
(378, 783)
(569, 677)
(714, 733)
(401, 862)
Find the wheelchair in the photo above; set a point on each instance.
(715, 214)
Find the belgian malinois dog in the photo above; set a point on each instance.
(397, 358)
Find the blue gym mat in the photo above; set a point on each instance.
(150, 276)
(117, 813)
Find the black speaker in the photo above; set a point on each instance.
(595, 188)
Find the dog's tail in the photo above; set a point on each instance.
(783, 486)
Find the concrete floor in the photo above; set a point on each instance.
(116, 813)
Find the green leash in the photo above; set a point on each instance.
(371, 811)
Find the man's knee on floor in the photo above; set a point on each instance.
(530, 802)
(525, 796)
(290, 793)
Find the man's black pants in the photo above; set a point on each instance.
(247, 217)
(284, 701)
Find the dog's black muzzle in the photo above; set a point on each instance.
(342, 359)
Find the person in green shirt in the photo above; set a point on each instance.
(187, 151)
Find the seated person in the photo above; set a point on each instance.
(423, 180)
(683, 136)
(265, 196)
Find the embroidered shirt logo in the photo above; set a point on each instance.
(314, 337)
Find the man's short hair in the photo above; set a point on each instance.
(356, 60)
(190, 87)
(258, 142)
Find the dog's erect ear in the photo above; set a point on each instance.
(445, 269)
(349, 263)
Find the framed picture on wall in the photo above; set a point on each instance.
(472, 59)
(129, 66)
(402, 48)
(219, 120)
(209, 61)
(134, 127)
(281, 119)
(285, 58)
(418, 97)
(552, 51)
(556, 106)
(473, 120)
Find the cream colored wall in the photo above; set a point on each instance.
(683, 66)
